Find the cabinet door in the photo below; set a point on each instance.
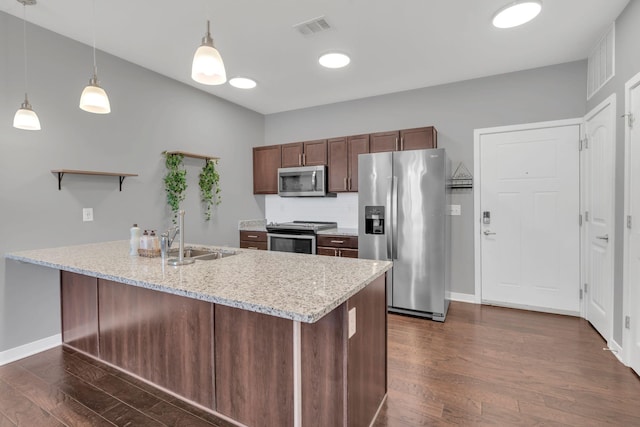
(418, 138)
(337, 170)
(358, 144)
(315, 153)
(384, 141)
(349, 253)
(266, 161)
(327, 251)
(79, 299)
(292, 154)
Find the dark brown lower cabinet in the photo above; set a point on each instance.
(79, 297)
(164, 338)
(235, 362)
(254, 361)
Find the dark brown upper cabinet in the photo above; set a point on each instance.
(343, 161)
(309, 153)
(407, 139)
(266, 161)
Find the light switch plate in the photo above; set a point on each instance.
(352, 322)
(87, 214)
(454, 210)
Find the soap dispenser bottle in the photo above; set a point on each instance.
(134, 240)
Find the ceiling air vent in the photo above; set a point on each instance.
(312, 26)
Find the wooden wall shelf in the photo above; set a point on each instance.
(194, 156)
(61, 173)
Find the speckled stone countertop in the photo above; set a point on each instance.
(340, 231)
(253, 225)
(292, 286)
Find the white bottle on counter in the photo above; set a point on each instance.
(134, 240)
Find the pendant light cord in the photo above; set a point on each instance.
(24, 46)
(93, 19)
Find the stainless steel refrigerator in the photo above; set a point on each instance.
(403, 200)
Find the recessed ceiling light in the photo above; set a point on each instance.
(242, 83)
(517, 13)
(334, 60)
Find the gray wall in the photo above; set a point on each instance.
(627, 66)
(151, 113)
(549, 93)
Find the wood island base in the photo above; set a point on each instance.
(252, 368)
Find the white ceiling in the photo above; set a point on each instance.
(395, 45)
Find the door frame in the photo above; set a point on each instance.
(477, 214)
(610, 100)
(627, 335)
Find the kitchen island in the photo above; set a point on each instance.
(261, 338)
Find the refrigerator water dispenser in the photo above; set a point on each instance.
(374, 219)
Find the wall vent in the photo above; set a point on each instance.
(601, 62)
(312, 26)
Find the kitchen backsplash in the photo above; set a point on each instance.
(342, 209)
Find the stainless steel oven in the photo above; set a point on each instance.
(296, 236)
(298, 243)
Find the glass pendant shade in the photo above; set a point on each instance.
(26, 118)
(207, 67)
(94, 99)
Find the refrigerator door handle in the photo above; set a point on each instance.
(394, 218)
(387, 223)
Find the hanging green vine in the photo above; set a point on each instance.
(209, 186)
(175, 182)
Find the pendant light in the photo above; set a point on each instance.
(208, 67)
(94, 99)
(25, 117)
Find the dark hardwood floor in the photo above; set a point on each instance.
(483, 366)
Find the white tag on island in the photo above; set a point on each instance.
(352, 322)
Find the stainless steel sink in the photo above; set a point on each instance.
(203, 254)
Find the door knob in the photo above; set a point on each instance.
(605, 237)
(488, 233)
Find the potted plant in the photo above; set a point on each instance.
(209, 186)
(175, 182)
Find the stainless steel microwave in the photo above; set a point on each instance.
(305, 181)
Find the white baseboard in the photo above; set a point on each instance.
(29, 349)
(457, 296)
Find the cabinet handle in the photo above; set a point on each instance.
(396, 143)
(345, 183)
(339, 253)
(402, 143)
(337, 241)
(252, 237)
(304, 158)
(335, 252)
(299, 159)
(349, 183)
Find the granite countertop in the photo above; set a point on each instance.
(293, 286)
(253, 225)
(340, 231)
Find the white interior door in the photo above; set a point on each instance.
(599, 156)
(632, 202)
(530, 245)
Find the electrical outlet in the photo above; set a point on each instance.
(87, 214)
(352, 322)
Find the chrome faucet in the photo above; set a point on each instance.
(166, 242)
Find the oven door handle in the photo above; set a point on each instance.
(313, 180)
